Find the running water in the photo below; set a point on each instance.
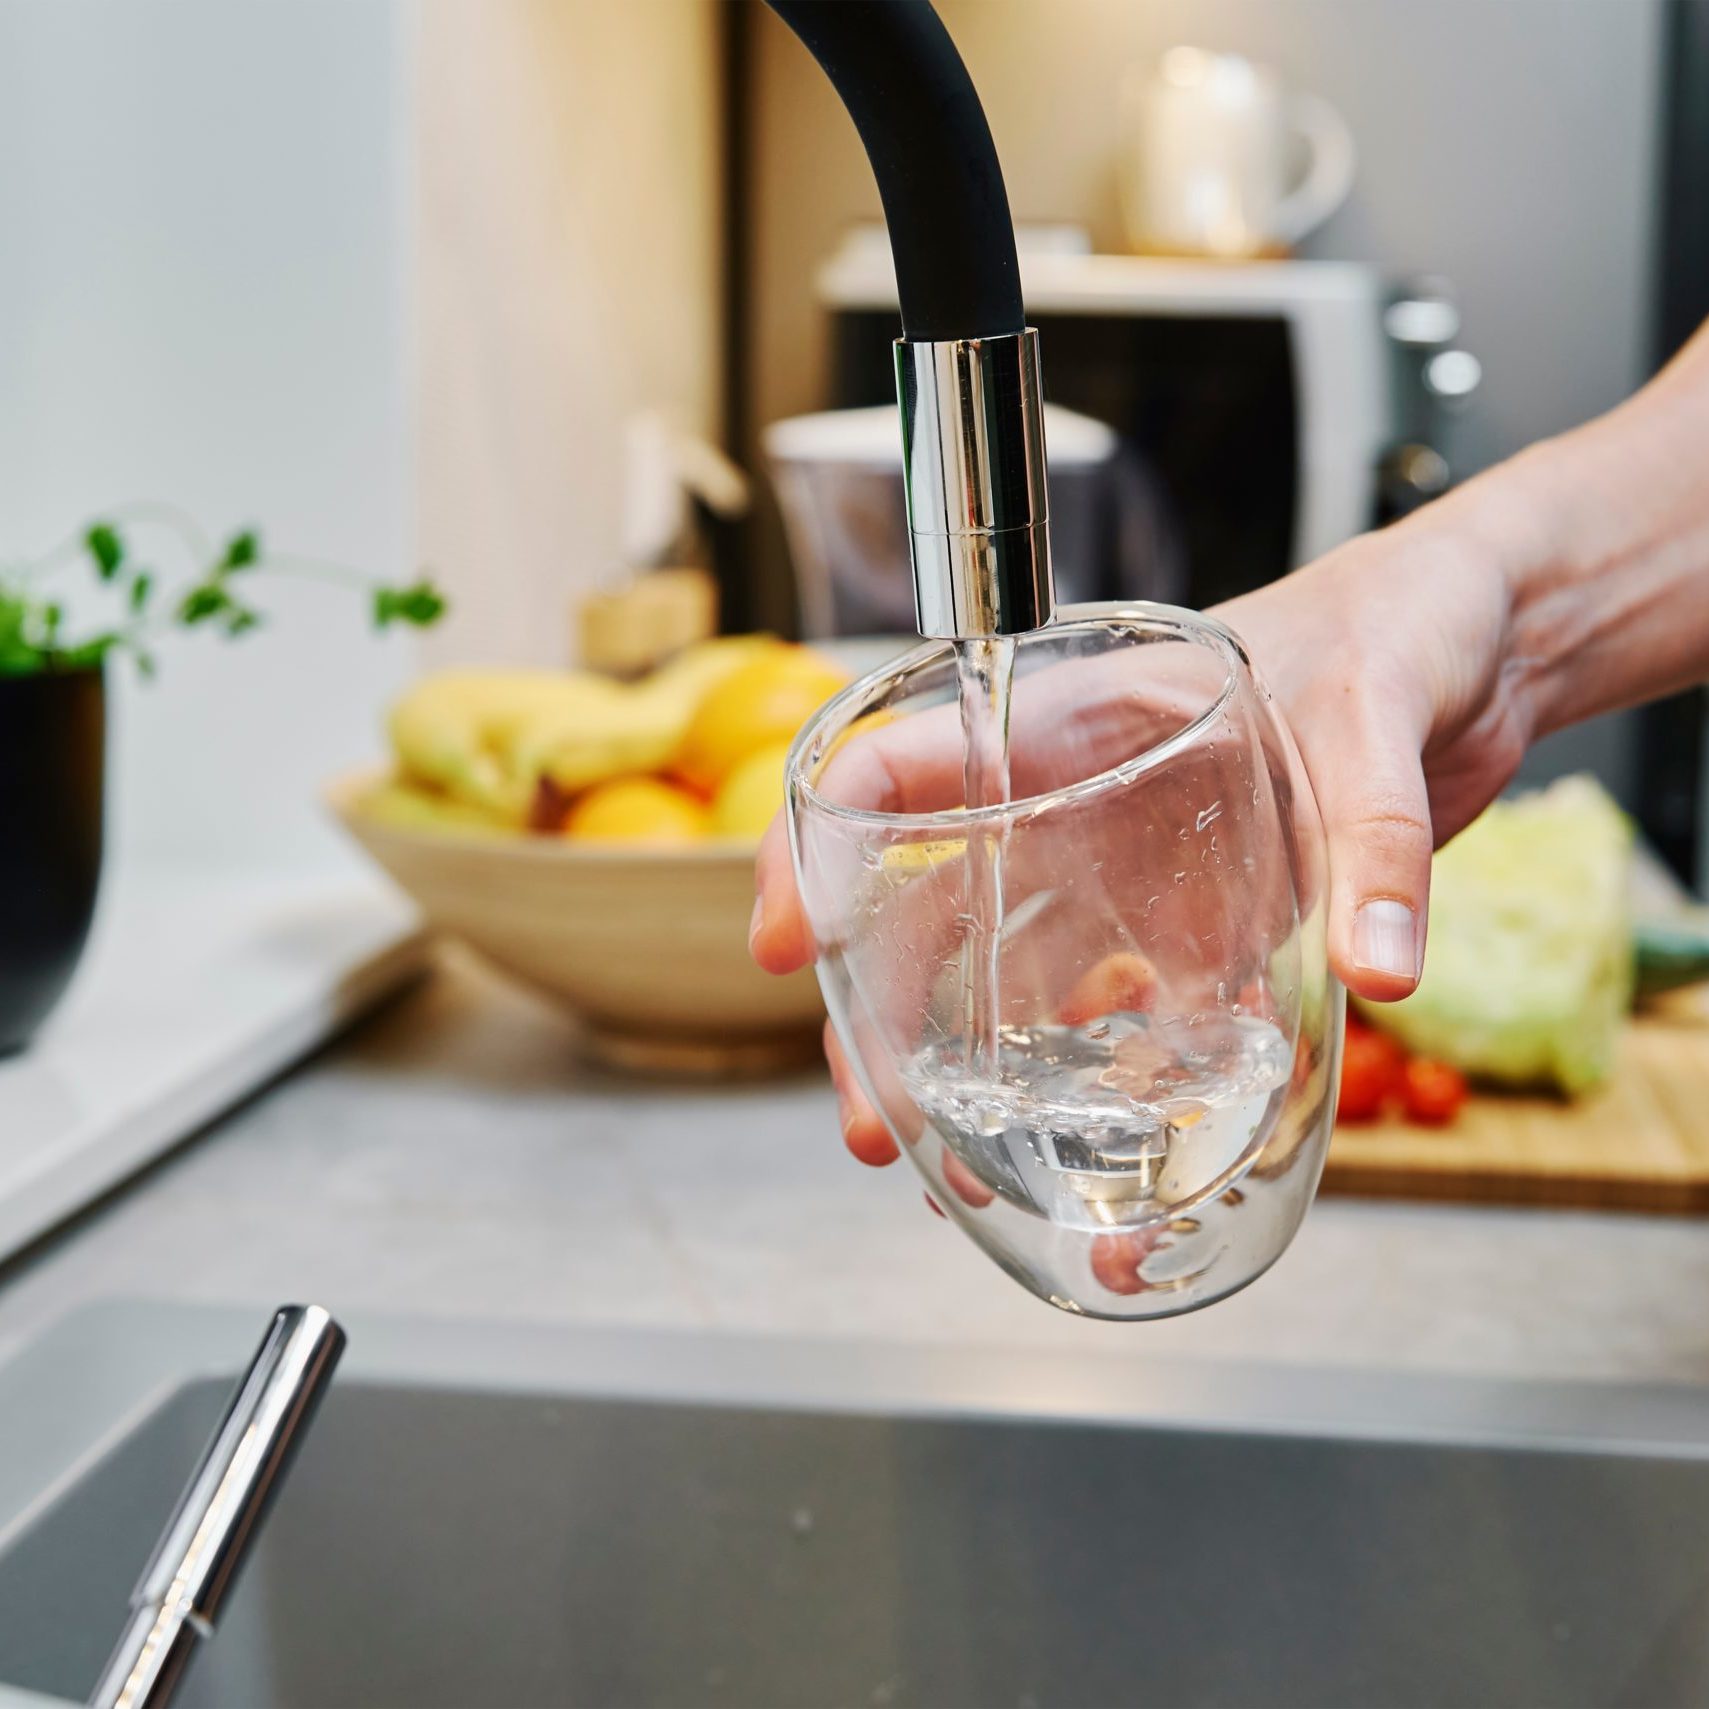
(985, 667)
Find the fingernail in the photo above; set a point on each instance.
(1385, 939)
(756, 922)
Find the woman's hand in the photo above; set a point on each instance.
(1415, 666)
(1391, 661)
(1386, 659)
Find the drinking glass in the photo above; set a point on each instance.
(1097, 1016)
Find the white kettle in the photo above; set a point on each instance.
(1210, 138)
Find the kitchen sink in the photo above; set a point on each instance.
(505, 1517)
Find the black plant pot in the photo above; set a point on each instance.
(52, 764)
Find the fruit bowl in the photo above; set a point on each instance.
(648, 948)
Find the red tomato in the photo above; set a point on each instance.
(1371, 1071)
(1433, 1091)
(1124, 983)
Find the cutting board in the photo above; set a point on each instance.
(1640, 1143)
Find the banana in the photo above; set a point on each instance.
(465, 731)
(487, 738)
(575, 752)
(410, 807)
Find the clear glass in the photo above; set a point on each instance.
(1136, 1125)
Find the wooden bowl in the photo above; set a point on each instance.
(648, 947)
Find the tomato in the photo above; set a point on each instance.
(1371, 1070)
(1433, 1091)
(1124, 983)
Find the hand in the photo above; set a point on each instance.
(1391, 661)
(1387, 660)
(1415, 666)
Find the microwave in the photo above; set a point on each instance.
(1257, 395)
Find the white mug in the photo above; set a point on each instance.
(1209, 142)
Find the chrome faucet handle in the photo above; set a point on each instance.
(184, 1586)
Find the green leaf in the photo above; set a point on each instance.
(241, 620)
(243, 550)
(53, 614)
(89, 652)
(142, 585)
(18, 655)
(106, 548)
(203, 601)
(420, 604)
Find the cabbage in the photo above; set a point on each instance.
(1528, 969)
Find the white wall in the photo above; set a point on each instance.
(204, 298)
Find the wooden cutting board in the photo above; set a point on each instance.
(1640, 1143)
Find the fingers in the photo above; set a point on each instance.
(1369, 781)
(779, 938)
(866, 1136)
(864, 1132)
(1116, 1259)
(1072, 721)
(964, 1183)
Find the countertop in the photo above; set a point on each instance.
(451, 1157)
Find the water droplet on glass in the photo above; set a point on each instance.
(1209, 815)
(1098, 1029)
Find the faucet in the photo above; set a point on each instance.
(183, 1589)
(967, 364)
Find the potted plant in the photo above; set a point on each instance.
(53, 721)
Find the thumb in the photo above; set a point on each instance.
(1369, 780)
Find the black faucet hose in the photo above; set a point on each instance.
(899, 75)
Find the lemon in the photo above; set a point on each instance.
(642, 811)
(758, 706)
(750, 796)
(909, 858)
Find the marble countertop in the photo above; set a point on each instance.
(451, 1157)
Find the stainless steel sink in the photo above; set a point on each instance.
(498, 1517)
